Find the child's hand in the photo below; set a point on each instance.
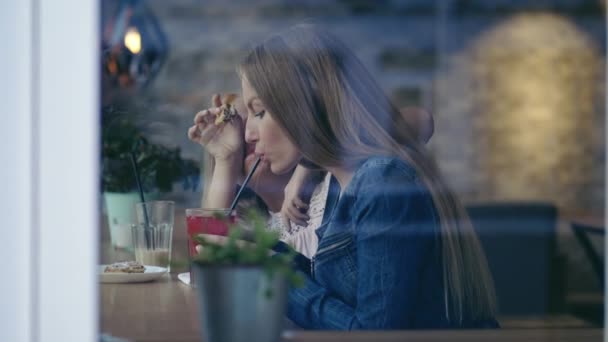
(297, 197)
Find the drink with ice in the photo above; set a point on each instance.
(152, 244)
(153, 233)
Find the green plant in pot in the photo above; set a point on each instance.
(159, 167)
(242, 286)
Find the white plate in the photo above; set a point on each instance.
(151, 273)
(184, 277)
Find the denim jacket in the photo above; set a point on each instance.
(378, 264)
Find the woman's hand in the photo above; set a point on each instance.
(224, 141)
(297, 196)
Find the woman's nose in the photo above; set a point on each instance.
(251, 135)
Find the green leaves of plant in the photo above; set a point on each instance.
(256, 253)
(159, 166)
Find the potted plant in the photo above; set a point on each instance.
(159, 168)
(242, 286)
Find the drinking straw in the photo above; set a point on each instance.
(143, 202)
(238, 195)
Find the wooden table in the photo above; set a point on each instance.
(165, 310)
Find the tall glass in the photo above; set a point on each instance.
(206, 221)
(153, 233)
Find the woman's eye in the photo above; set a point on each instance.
(260, 113)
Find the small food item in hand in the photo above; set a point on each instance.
(125, 267)
(227, 110)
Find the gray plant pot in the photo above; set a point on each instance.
(233, 305)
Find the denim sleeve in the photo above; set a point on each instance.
(395, 232)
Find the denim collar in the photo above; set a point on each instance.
(333, 195)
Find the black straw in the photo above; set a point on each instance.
(238, 195)
(143, 201)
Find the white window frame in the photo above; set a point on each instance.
(49, 100)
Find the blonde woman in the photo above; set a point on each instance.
(227, 159)
(396, 249)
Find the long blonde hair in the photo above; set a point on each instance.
(332, 109)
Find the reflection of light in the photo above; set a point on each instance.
(537, 74)
(133, 40)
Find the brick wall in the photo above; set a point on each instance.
(518, 116)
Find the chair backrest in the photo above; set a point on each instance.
(519, 240)
(585, 234)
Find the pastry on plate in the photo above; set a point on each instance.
(125, 267)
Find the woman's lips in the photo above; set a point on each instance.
(252, 154)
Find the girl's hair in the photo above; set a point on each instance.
(332, 109)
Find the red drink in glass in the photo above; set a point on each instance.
(206, 221)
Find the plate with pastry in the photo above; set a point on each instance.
(129, 272)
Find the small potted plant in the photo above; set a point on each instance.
(242, 286)
(159, 169)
